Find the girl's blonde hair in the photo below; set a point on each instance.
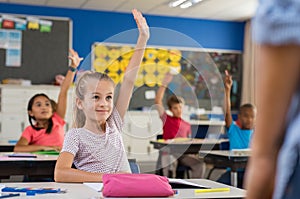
(80, 90)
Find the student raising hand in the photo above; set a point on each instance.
(134, 64)
(141, 24)
(75, 59)
(95, 145)
(227, 81)
(62, 98)
(46, 118)
(167, 79)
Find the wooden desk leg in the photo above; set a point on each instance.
(234, 179)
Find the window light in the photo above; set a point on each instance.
(176, 3)
(183, 3)
(186, 4)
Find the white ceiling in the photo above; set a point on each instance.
(229, 10)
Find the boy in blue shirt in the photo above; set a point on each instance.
(239, 133)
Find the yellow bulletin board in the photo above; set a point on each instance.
(113, 60)
(197, 69)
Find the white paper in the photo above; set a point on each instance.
(1, 186)
(14, 39)
(13, 58)
(3, 39)
(180, 181)
(94, 185)
(150, 94)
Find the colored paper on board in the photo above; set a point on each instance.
(8, 24)
(20, 26)
(33, 25)
(45, 28)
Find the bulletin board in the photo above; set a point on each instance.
(40, 53)
(191, 64)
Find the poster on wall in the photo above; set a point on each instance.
(11, 28)
(197, 69)
(11, 41)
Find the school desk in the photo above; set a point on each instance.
(79, 190)
(38, 166)
(187, 145)
(236, 159)
(6, 146)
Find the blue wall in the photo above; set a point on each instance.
(94, 26)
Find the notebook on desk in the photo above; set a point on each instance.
(241, 152)
(22, 155)
(183, 184)
(47, 152)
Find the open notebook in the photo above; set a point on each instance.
(183, 184)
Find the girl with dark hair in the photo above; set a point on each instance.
(46, 130)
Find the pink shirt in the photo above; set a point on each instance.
(174, 127)
(40, 137)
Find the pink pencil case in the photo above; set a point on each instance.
(136, 185)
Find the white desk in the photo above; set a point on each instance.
(187, 145)
(77, 190)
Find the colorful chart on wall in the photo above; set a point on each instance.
(28, 43)
(113, 60)
(193, 65)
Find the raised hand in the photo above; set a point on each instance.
(75, 59)
(141, 24)
(227, 81)
(167, 79)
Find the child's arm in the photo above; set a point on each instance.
(134, 64)
(23, 146)
(161, 92)
(65, 173)
(228, 85)
(62, 97)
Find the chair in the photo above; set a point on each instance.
(182, 171)
(134, 167)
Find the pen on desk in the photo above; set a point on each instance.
(212, 190)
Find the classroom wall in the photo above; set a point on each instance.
(95, 26)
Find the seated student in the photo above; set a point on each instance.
(95, 145)
(239, 134)
(46, 130)
(174, 127)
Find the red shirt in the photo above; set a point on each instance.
(40, 137)
(174, 127)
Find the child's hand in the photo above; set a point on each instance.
(52, 148)
(167, 79)
(75, 59)
(227, 81)
(141, 24)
